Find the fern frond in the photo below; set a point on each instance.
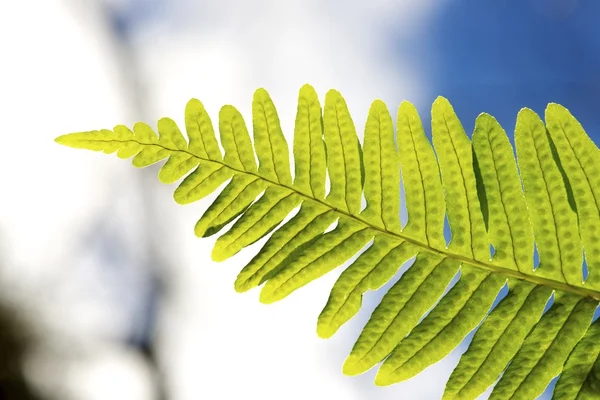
(551, 193)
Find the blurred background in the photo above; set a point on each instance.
(105, 292)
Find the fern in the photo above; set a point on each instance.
(475, 183)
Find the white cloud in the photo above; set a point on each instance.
(216, 343)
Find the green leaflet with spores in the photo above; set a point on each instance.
(579, 158)
(457, 313)
(371, 270)
(545, 350)
(554, 221)
(455, 158)
(421, 177)
(400, 310)
(497, 340)
(309, 149)
(580, 379)
(509, 228)
(382, 175)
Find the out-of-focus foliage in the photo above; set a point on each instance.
(16, 339)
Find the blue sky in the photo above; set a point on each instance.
(500, 56)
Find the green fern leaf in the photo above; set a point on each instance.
(546, 349)
(457, 313)
(455, 157)
(370, 271)
(311, 221)
(382, 175)
(579, 158)
(400, 310)
(497, 340)
(554, 221)
(580, 379)
(509, 227)
(309, 149)
(476, 184)
(420, 173)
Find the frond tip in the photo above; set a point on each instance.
(550, 192)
